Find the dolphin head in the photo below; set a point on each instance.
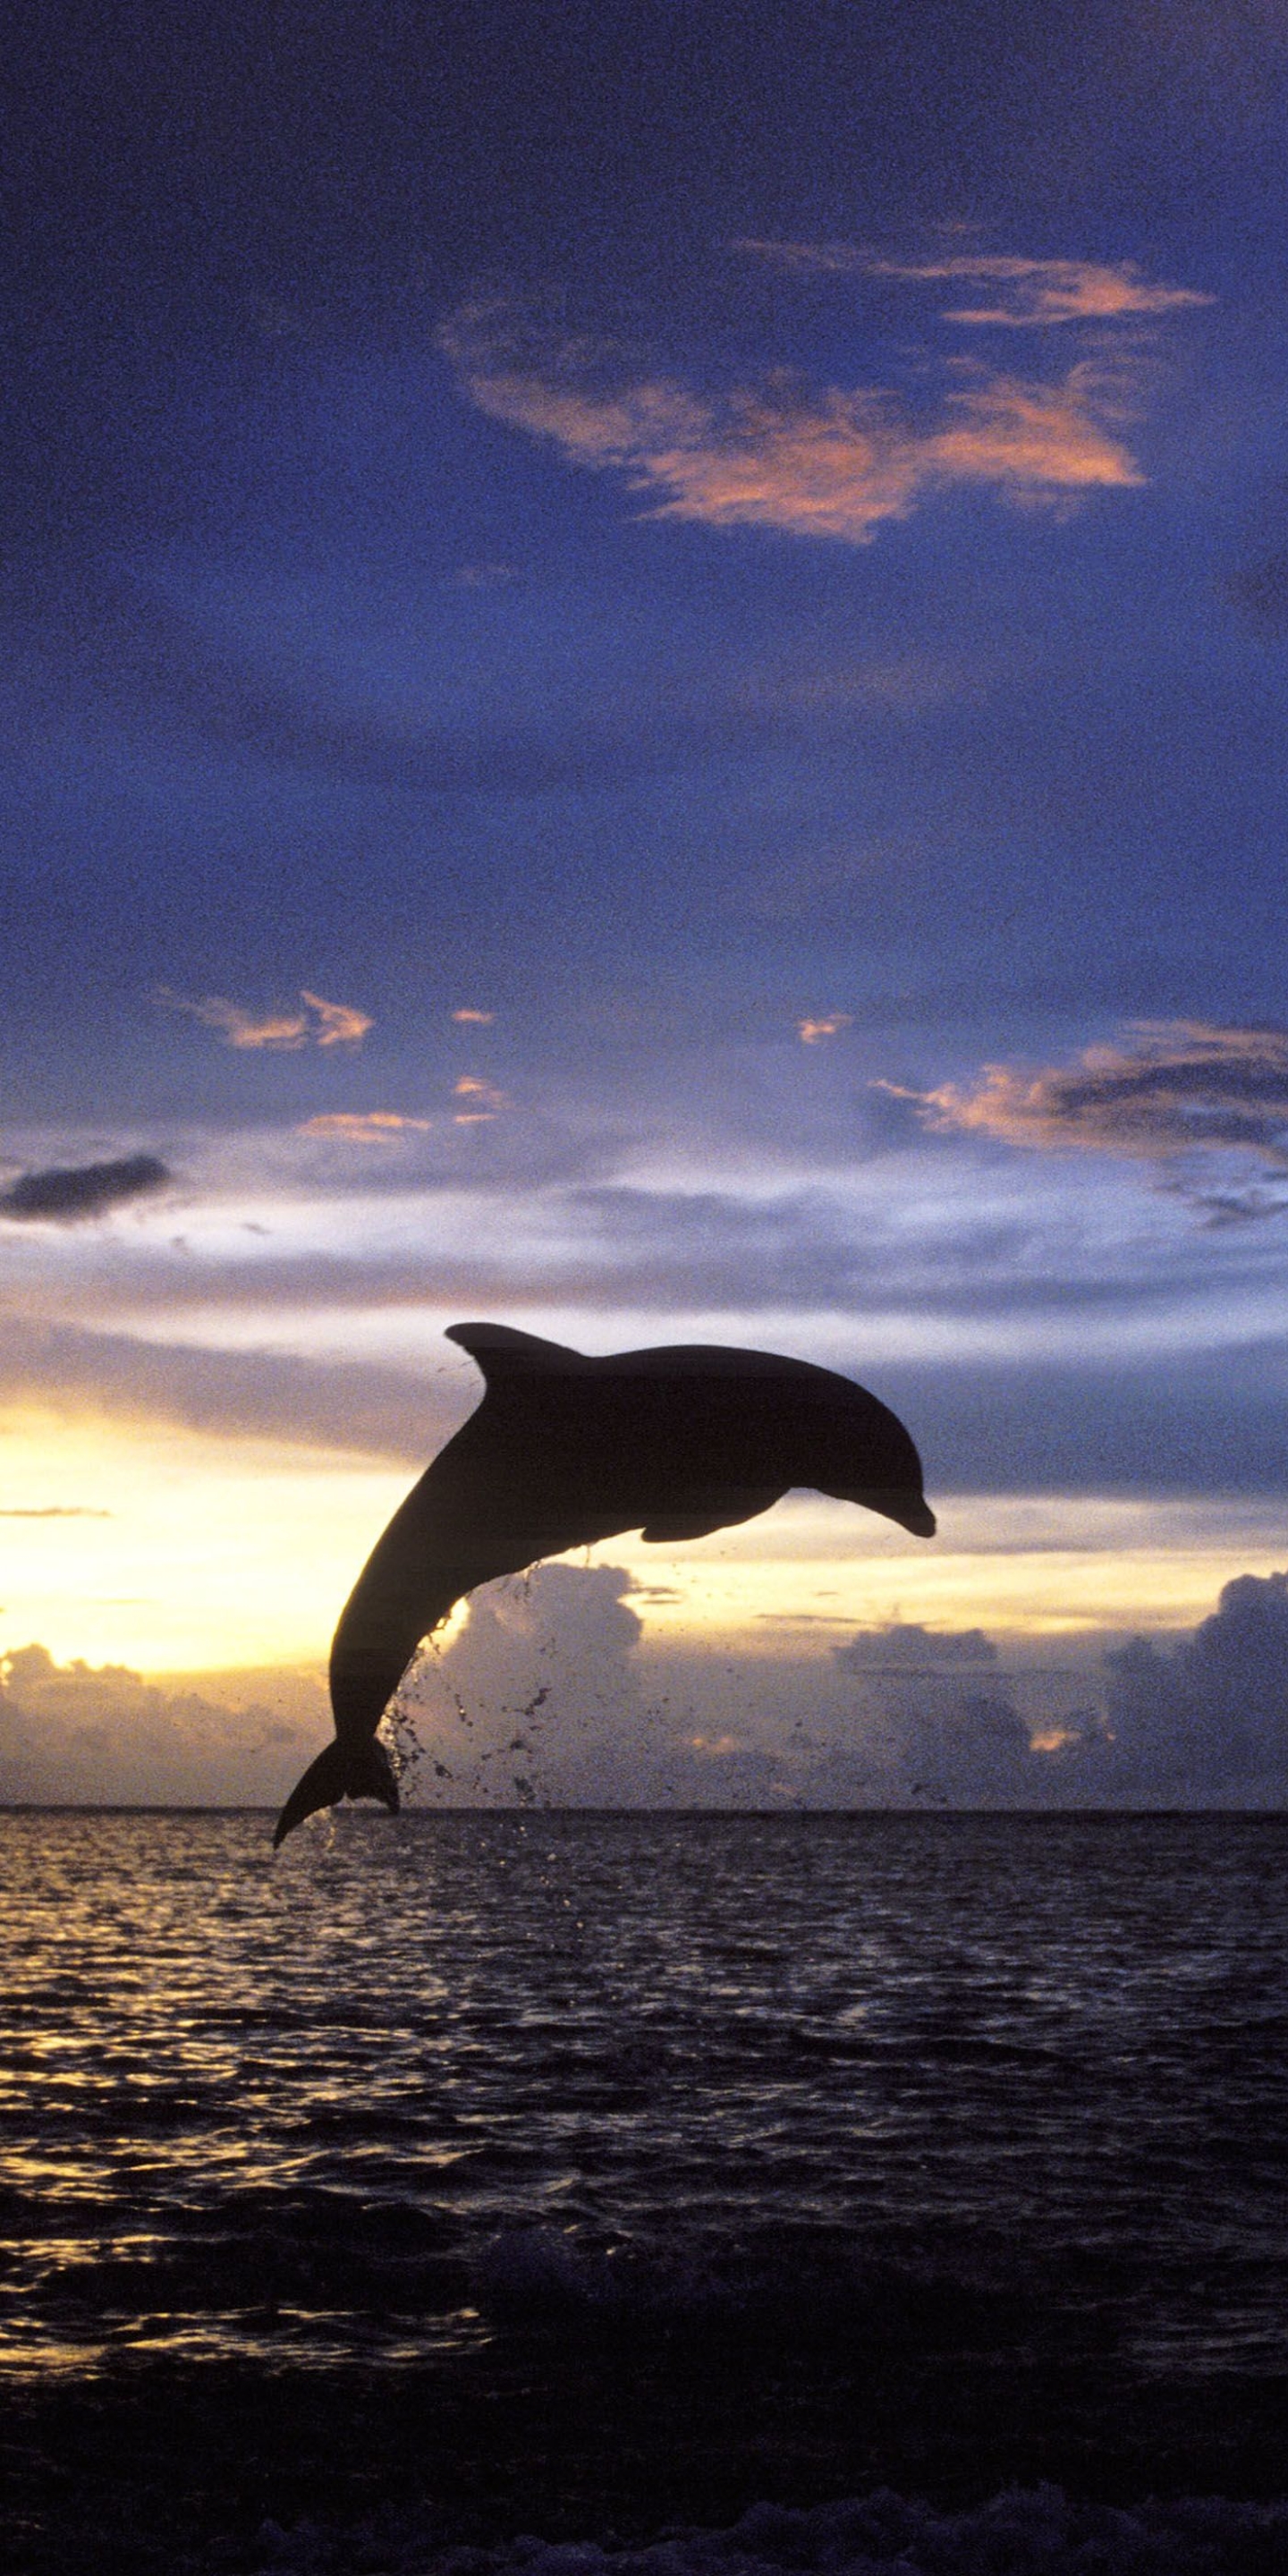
(868, 1458)
(911, 1511)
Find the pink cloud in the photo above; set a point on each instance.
(831, 461)
(811, 1032)
(275, 1030)
(1178, 1092)
(1028, 291)
(332, 1023)
(338, 1023)
(484, 1098)
(364, 1126)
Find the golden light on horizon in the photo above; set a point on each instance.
(169, 1549)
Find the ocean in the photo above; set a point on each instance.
(501, 2194)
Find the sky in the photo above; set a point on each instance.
(645, 661)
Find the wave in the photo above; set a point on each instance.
(1029, 2531)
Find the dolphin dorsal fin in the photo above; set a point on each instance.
(504, 1353)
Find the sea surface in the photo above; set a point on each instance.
(550, 2194)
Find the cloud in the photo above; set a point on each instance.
(475, 1019)
(927, 1734)
(1180, 1092)
(811, 1031)
(484, 1098)
(827, 461)
(536, 1699)
(344, 1405)
(279, 1032)
(64, 1196)
(363, 1126)
(338, 1023)
(905, 1648)
(1208, 1717)
(106, 1737)
(1260, 591)
(1200, 1721)
(53, 1512)
(1027, 291)
(547, 1696)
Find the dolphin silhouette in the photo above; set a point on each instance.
(564, 1450)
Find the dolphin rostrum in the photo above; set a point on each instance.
(564, 1450)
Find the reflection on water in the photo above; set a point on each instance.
(414, 2082)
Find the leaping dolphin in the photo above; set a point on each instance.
(564, 1450)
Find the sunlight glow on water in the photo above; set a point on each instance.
(369, 2099)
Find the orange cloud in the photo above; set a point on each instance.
(277, 1031)
(1180, 1089)
(477, 1019)
(339, 1023)
(829, 462)
(1028, 291)
(811, 1031)
(334, 1023)
(363, 1126)
(1038, 440)
(485, 1097)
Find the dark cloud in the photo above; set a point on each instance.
(927, 1729)
(62, 1195)
(378, 1412)
(975, 1751)
(1207, 1424)
(1260, 591)
(536, 1243)
(107, 636)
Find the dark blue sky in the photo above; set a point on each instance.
(751, 549)
(320, 670)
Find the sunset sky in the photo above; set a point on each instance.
(646, 659)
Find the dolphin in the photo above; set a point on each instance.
(563, 1450)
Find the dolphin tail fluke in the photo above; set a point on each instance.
(343, 1771)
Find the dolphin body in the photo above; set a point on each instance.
(564, 1450)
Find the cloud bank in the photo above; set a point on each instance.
(1208, 1717)
(546, 1698)
(903, 1648)
(1201, 1722)
(73, 1734)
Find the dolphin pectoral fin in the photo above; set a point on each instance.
(342, 1771)
(747, 1506)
